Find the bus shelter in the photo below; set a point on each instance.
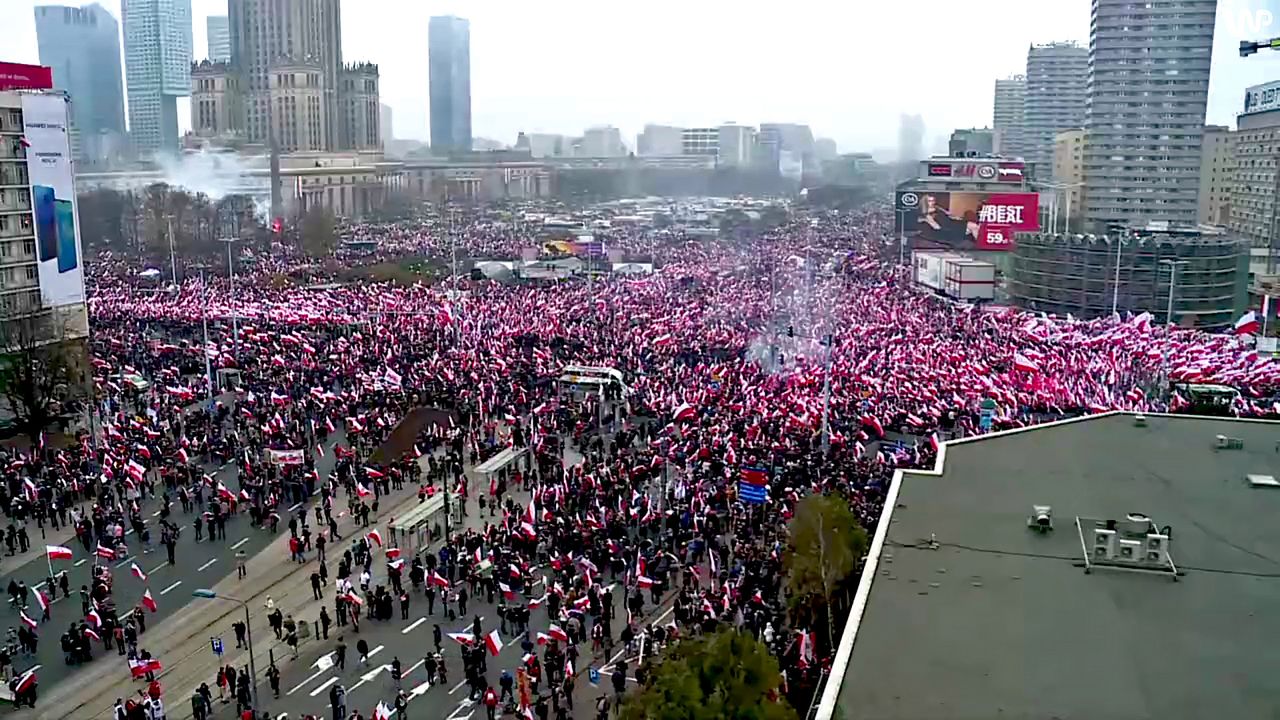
(415, 531)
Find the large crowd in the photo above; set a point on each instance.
(800, 351)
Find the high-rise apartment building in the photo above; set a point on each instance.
(1068, 169)
(82, 46)
(1008, 115)
(602, 141)
(157, 64)
(972, 142)
(386, 127)
(660, 140)
(1217, 175)
(1144, 113)
(449, 61)
(1252, 208)
(700, 141)
(289, 57)
(1056, 80)
(219, 34)
(42, 297)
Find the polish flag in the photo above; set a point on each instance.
(416, 452)
(105, 553)
(1248, 324)
(463, 638)
(42, 600)
(182, 455)
(382, 712)
(353, 598)
(684, 412)
(536, 603)
(25, 682)
(320, 449)
(143, 450)
(396, 564)
(328, 425)
(137, 572)
(374, 474)
(393, 552)
(568, 667)
(90, 633)
(933, 441)
(27, 620)
(494, 642)
(136, 470)
(57, 552)
(149, 602)
(644, 582)
(507, 592)
(362, 491)
(93, 617)
(438, 579)
(373, 536)
(1022, 363)
(556, 633)
(544, 638)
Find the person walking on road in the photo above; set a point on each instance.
(404, 605)
(241, 558)
(340, 654)
(362, 649)
(396, 672)
(273, 678)
(429, 664)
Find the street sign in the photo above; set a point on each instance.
(593, 676)
(216, 644)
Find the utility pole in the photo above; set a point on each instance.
(829, 341)
(204, 321)
(173, 260)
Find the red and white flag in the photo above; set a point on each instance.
(393, 553)
(1022, 363)
(26, 681)
(105, 553)
(507, 592)
(438, 579)
(362, 491)
(644, 582)
(27, 620)
(148, 602)
(93, 617)
(373, 536)
(92, 634)
(320, 449)
(353, 598)
(494, 642)
(556, 633)
(1248, 324)
(463, 638)
(137, 572)
(42, 600)
(382, 712)
(182, 456)
(58, 552)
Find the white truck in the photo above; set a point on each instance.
(954, 275)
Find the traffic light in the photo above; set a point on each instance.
(791, 331)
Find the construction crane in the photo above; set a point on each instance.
(1248, 47)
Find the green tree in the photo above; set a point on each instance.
(36, 372)
(826, 544)
(318, 233)
(724, 676)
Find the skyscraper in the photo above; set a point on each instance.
(219, 38)
(289, 57)
(1057, 77)
(449, 59)
(1144, 117)
(157, 62)
(1008, 121)
(82, 45)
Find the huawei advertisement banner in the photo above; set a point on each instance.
(44, 121)
(965, 220)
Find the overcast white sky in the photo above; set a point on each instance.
(846, 68)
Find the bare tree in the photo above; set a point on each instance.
(36, 371)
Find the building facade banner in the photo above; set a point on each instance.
(53, 198)
(965, 220)
(19, 76)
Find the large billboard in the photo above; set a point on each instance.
(965, 220)
(18, 76)
(53, 197)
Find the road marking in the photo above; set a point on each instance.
(421, 689)
(125, 561)
(369, 676)
(457, 687)
(176, 584)
(237, 545)
(375, 651)
(38, 585)
(155, 514)
(415, 624)
(320, 688)
(202, 567)
(160, 567)
(81, 561)
(295, 507)
(314, 675)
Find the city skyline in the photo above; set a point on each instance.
(555, 92)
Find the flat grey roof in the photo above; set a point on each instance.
(1001, 622)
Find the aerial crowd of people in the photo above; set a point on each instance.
(801, 351)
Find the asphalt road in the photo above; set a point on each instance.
(198, 565)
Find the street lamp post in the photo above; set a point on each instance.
(1173, 266)
(231, 279)
(208, 594)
